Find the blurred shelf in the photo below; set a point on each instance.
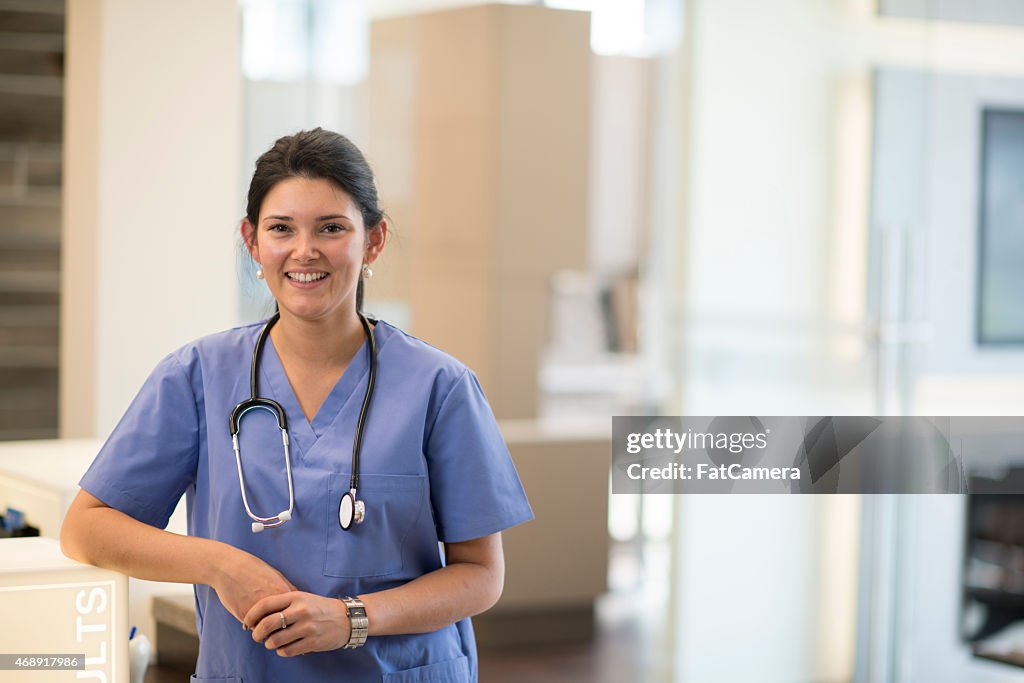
(42, 150)
(29, 316)
(29, 356)
(22, 434)
(36, 86)
(31, 42)
(30, 281)
(33, 6)
(41, 197)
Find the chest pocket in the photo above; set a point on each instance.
(394, 502)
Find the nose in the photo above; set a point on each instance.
(305, 247)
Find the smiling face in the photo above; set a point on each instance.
(311, 243)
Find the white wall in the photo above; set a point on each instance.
(619, 199)
(763, 592)
(151, 207)
(775, 219)
(765, 587)
(760, 104)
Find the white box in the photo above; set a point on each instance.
(52, 605)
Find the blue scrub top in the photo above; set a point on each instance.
(433, 468)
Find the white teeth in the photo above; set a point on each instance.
(306, 277)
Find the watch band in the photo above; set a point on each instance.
(360, 624)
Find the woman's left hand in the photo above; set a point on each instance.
(312, 623)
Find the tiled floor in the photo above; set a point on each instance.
(630, 646)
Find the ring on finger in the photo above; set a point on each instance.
(284, 622)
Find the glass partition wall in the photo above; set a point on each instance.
(842, 239)
(946, 181)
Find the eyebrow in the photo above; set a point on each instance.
(319, 218)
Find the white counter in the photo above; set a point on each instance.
(40, 478)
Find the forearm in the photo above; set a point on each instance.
(111, 539)
(461, 589)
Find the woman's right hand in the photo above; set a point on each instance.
(241, 580)
(95, 533)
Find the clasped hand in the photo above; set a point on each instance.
(296, 623)
(257, 595)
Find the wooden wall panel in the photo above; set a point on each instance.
(498, 171)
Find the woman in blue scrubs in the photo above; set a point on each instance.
(434, 473)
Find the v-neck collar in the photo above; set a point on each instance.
(303, 432)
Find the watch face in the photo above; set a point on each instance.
(345, 511)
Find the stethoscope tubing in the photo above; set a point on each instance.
(254, 402)
(357, 442)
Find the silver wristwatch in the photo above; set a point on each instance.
(360, 624)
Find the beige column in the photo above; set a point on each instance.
(152, 194)
(479, 130)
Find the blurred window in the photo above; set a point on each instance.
(982, 11)
(634, 28)
(290, 40)
(1001, 278)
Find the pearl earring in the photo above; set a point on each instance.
(367, 272)
(259, 273)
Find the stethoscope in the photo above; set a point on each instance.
(351, 509)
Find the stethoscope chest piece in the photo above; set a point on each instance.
(350, 510)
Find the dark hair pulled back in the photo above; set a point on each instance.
(314, 154)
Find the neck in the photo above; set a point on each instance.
(325, 341)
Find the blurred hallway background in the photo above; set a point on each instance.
(605, 207)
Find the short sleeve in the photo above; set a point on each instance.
(474, 487)
(151, 456)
